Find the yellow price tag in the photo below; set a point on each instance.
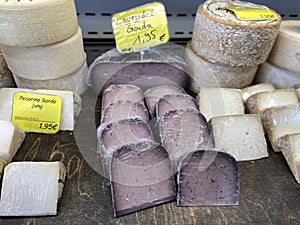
(253, 13)
(141, 27)
(37, 112)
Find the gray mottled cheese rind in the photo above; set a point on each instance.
(203, 73)
(246, 92)
(36, 23)
(242, 136)
(141, 176)
(6, 76)
(208, 178)
(263, 100)
(71, 106)
(48, 61)
(220, 38)
(289, 145)
(220, 101)
(75, 82)
(31, 188)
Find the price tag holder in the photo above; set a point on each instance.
(141, 27)
(37, 112)
(253, 13)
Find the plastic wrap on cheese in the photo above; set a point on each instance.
(31, 188)
(256, 88)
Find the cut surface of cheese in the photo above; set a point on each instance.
(46, 62)
(6, 77)
(34, 23)
(256, 88)
(219, 37)
(285, 53)
(241, 136)
(71, 106)
(263, 100)
(203, 73)
(31, 188)
(220, 101)
(75, 82)
(289, 145)
(11, 138)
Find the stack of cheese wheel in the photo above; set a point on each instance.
(282, 68)
(42, 44)
(225, 51)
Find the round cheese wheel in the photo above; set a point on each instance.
(280, 78)
(75, 82)
(219, 37)
(36, 22)
(46, 62)
(203, 73)
(286, 50)
(6, 77)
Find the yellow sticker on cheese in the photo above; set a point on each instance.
(253, 13)
(141, 27)
(37, 112)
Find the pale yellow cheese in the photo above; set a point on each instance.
(256, 88)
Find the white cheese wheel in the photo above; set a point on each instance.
(36, 22)
(31, 188)
(219, 37)
(71, 105)
(286, 50)
(256, 88)
(46, 62)
(280, 78)
(220, 101)
(242, 136)
(75, 82)
(203, 73)
(6, 77)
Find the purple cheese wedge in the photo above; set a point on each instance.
(208, 178)
(124, 92)
(152, 95)
(182, 132)
(140, 176)
(173, 102)
(121, 110)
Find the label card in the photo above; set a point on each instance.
(37, 112)
(253, 13)
(141, 27)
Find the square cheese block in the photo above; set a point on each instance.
(256, 88)
(260, 101)
(11, 138)
(289, 145)
(242, 136)
(279, 121)
(31, 188)
(220, 101)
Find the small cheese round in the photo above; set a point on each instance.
(219, 37)
(46, 62)
(6, 77)
(286, 50)
(203, 73)
(36, 22)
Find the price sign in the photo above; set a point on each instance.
(37, 112)
(140, 27)
(253, 13)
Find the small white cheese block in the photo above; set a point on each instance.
(241, 136)
(260, 101)
(71, 105)
(220, 37)
(31, 188)
(286, 51)
(280, 78)
(11, 138)
(36, 22)
(6, 77)
(75, 82)
(279, 121)
(220, 101)
(290, 148)
(48, 61)
(256, 88)
(206, 74)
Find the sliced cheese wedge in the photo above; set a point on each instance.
(31, 188)
(256, 88)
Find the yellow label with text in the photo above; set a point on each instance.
(37, 112)
(141, 27)
(253, 13)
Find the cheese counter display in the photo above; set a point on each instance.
(151, 126)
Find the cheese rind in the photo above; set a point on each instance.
(6, 77)
(256, 88)
(35, 23)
